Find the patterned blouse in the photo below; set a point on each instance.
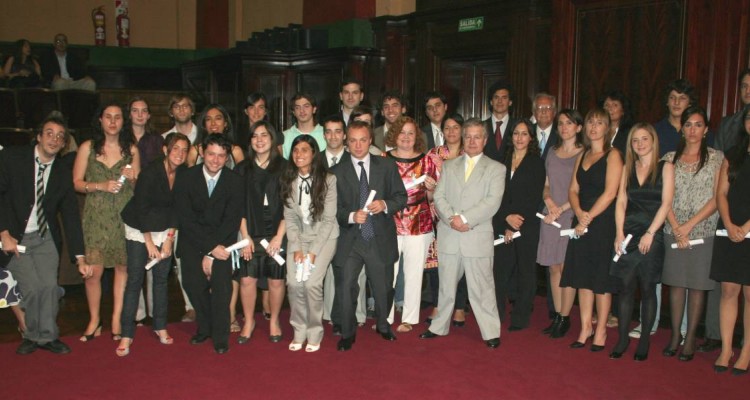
(416, 218)
(692, 190)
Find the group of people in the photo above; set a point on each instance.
(608, 205)
(57, 69)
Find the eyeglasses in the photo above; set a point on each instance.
(544, 108)
(181, 106)
(54, 136)
(61, 41)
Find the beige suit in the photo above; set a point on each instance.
(319, 238)
(477, 200)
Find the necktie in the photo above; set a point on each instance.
(469, 169)
(367, 229)
(543, 142)
(498, 134)
(438, 138)
(305, 186)
(41, 220)
(211, 186)
(334, 160)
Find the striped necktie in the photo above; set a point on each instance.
(41, 220)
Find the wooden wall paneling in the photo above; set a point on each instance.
(635, 47)
(562, 53)
(323, 83)
(269, 80)
(717, 50)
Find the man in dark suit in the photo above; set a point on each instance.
(435, 107)
(209, 199)
(497, 125)
(62, 70)
(368, 233)
(351, 96)
(545, 109)
(34, 187)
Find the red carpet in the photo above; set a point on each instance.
(526, 366)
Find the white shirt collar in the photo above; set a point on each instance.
(209, 177)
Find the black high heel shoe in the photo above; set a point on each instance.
(618, 354)
(669, 351)
(86, 337)
(579, 345)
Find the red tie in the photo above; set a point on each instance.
(498, 134)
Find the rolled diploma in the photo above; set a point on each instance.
(154, 261)
(554, 223)
(370, 198)
(21, 248)
(242, 243)
(277, 257)
(692, 243)
(415, 182)
(623, 245)
(568, 232)
(501, 240)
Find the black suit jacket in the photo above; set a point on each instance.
(552, 140)
(386, 181)
(490, 149)
(345, 158)
(17, 197)
(522, 195)
(207, 222)
(621, 140)
(152, 207)
(428, 136)
(50, 67)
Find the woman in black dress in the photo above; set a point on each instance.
(524, 184)
(592, 194)
(643, 201)
(264, 219)
(731, 254)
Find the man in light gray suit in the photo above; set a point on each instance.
(467, 196)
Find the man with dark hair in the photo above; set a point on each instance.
(731, 125)
(435, 107)
(368, 231)
(678, 96)
(500, 98)
(392, 106)
(351, 96)
(34, 188)
(209, 198)
(304, 107)
(62, 70)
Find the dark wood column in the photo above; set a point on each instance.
(212, 24)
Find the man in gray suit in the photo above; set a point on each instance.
(467, 196)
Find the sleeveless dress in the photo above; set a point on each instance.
(103, 229)
(552, 246)
(643, 204)
(730, 259)
(690, 268)
(587, 259)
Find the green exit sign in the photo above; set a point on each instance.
(470, 24)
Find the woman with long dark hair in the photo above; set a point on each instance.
(309, 194)
(149, 142)
(731, 253)
(150, 225)
(693, 216)
(215, 119)
(264, 219)
(643, 201)
(524, 184)
(592, 193)
(21, 69)
(559, 166)
(105, 169)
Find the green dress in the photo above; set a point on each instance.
(103, 229)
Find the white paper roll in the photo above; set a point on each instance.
(276, 257)
(21, 248)
(692, 243)
(554, 223)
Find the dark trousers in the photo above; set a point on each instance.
(137, 259)
(210, 297)
(515, 278)
(381, 279)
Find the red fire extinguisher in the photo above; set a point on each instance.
(100, 34)
(123, 29)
